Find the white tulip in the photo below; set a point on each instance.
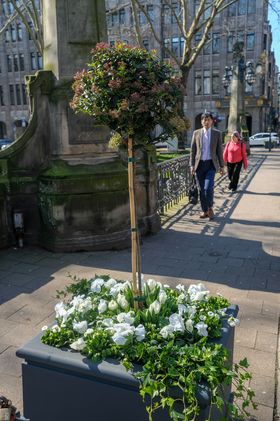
(125, 318)
(232, 321)
(80, 327)
(151, 283)
(140, 333)
(166, 331)
(155, 307)
(197, 292)
(182, 309)
(78, 345)
(119, 339)
(96, 285)
(110, 283)
(189, 325)
(177, 322)
(113, 305)
(201, 329)
(88, 332)
(162, 297)
(108, 322)
(181, 288)
(102, 306)
(121, 300)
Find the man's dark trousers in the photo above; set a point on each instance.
(205, 175)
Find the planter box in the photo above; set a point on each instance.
(64, 385)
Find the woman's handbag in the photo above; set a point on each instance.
(193, 192)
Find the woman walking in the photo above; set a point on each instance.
(234, 155)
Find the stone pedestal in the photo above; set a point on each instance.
(71, 188)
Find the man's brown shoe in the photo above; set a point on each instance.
(203, 215)
(211, 213)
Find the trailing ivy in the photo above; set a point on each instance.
(172, 336)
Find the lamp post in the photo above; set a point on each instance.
(235, 77)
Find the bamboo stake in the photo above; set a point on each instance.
(133, 220)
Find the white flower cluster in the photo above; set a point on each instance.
(113, 314)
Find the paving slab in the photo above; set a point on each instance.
(237, 255)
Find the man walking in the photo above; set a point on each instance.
(206, 159)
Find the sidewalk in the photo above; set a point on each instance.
(237, 254)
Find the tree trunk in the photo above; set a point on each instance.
(135, 246)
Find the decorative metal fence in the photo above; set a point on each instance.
(173, 181)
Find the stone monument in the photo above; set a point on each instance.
(60, 174)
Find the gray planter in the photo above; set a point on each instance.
(61, 385)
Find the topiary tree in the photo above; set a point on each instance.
(129, 90)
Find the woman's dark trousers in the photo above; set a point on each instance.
(233, 174)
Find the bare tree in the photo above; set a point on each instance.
(201, 24)
(27, 12)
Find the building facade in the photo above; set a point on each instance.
(245, 20)
(18, 57)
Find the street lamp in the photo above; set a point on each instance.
(235, 76)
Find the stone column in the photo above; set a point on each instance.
(71, 29)
(236, 108)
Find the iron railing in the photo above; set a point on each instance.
(173, 181)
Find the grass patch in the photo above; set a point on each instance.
(162, 156)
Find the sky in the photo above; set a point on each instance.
(275, 25)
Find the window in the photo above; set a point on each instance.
(166, 14)
(242, 6)
(141, 18)
(16, 67)
(12, 94)
(166, 42)
(21, 62)
(39, 61)
(175, 46)
(264, 41)
(114, 19)
(23, 91)
(146, 44)
(248, 88)
(175, 11)
(11, 7)
(30, 24)
(5, 7)
(150, 11)
(18, 94)
(33, 61)
(240, 36)
(7, 36)
(1, 96)
(250, 41)
(216, 43)
(215, 82)
(207, 47)
(9, 63)
(197, 83)
(206, 82)
(230, 43)
(207, 11)
(122, 17)
(13, 33)
(251, 7)
(232, 10)
(19, 32)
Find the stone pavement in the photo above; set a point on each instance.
(237, 254)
